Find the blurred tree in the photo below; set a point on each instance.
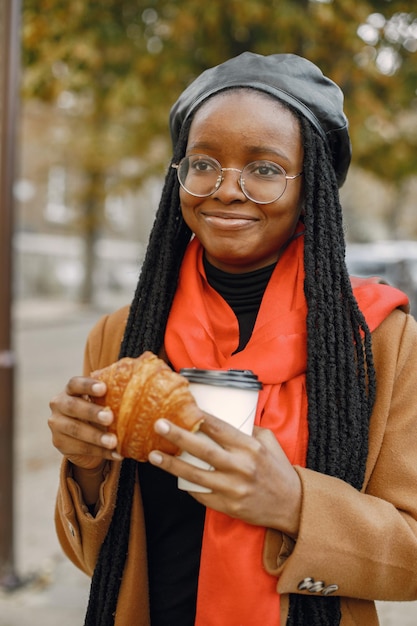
(116, 66)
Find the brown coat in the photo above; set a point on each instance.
(363, 543)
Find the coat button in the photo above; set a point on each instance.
(305, 584)
(317, 586)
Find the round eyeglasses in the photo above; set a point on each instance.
(261, 181)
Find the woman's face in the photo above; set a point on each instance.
(236, 128)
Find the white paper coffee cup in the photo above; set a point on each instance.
(230, 395)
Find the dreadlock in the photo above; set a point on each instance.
(144, 331)
(340, 373)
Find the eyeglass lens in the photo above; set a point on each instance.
(260, 181)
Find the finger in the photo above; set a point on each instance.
(89, 454)
(240, 461)
(87, 451)
(81, 408)
(177, 467)
(84, 432)
(76, 437)
(197, 444)
(83, 385)
(223, 433)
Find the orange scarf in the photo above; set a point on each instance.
(202, 331)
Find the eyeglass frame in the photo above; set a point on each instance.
(241, 182)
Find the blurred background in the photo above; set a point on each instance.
(91, 146)
(98, 81)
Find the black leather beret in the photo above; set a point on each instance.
(288, 77)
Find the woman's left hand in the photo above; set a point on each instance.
(252, 480)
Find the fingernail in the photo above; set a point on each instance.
(105, 416)
(116, 456)
(162, 426)
(98, 388)
(108, 440)
(155, 458)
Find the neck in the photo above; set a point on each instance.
(242, 292)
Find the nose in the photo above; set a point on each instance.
(230, 189)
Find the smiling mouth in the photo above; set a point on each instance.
(228, 220)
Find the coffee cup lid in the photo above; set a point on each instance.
(241, 379)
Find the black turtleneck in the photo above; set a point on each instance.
(243, 293)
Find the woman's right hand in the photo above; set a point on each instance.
(79, 426)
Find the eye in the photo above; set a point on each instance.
(203, 165)
(264, 169)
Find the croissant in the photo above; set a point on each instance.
(139, 391)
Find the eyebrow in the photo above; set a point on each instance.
(254, 150)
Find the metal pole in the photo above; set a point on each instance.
(9, 62)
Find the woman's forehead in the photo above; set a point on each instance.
(246, 94)
(246, 122)
(246, 116)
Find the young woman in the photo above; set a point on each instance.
(314, 516)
